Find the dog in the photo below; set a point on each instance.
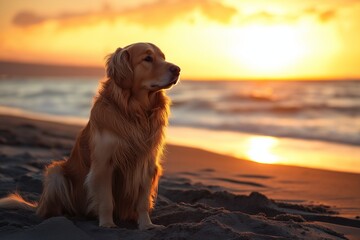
(114, 168)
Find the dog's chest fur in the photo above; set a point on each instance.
(138, 133)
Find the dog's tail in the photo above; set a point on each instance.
(15, 201)
(55, 199)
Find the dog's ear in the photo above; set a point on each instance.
(118, 68)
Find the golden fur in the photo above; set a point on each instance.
(114, 167)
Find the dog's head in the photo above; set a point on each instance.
(141, 66)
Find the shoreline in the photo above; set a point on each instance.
(193, 184)
(306, 153)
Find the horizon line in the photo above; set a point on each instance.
(75, 70)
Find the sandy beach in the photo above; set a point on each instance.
(202, 195)
(263, 128)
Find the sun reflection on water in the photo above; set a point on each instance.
(260, 149)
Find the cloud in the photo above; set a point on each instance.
(164, 12)
(27, 18)
(322, 15)
(159, 13)
(270, 18)
(327, 15)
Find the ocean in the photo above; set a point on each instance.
(303, 111)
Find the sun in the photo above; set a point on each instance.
(260, 149)
(268, 48)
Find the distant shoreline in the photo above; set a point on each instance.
(20, 69)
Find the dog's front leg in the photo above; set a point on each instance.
(143, 208)
(99, 179)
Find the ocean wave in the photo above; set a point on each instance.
(195, 104)
(270, 108)
(328, 111)
(350, 110)
(249, 97)
(297, 132)
(46, 93)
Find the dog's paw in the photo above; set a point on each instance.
(107, 225)
(151, 227)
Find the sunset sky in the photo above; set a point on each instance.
(209, 39)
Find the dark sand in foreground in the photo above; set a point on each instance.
(202, 195)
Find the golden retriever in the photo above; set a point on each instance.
(114, 167)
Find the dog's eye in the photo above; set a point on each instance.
(148, 59)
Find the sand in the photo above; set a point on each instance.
(202, 195)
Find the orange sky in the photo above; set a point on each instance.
(209, 39)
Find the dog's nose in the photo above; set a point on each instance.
(174, 70)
